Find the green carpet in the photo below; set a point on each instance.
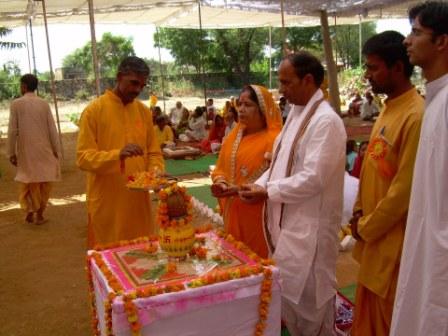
(203, 194)
(349, 292)
(183, 167)
(285, 332)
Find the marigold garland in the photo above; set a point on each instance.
(95, 321)
(265, 300)
(152, 290)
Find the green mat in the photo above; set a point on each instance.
(285, 332)
(203, 194)
(349, 292)
(184, 167)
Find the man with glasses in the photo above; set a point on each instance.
(421, 304)
(116, 139)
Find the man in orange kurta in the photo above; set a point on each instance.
(116, 139)
(380, 213)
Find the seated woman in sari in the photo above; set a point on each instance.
(242, 159)
(215, 136)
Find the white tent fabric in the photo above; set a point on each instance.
(215, 13)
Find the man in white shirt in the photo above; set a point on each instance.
(176, 113)
(369, 109)
(303, 190)
(421, 302)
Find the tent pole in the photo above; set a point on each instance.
(335, 43)
(161, 70)
(28, 48)
(32, 47)
(93, 45)
(270, 57)
(200, 55)
(283, 28)
(360, 41)
(53, 86)
(331, 66)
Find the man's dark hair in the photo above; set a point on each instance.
(389, 47)
(199, 111)
(133, 64)
(432, 15)
(161, 118)
(305, 63)
(30, 81)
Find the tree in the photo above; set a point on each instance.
(110, 50)
(346, 41)
(6, 44)
(185, 45)
(9, 80)
(297, 38)
(234, 50)
(221, 50)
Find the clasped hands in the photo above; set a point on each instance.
(354, 224)
(130, 150)
(249, 193)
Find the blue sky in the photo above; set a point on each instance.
(65, 38)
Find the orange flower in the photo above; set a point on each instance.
(171, 267)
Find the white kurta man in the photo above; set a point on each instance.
(421, 302)
(303, 190)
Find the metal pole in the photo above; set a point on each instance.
(28, 48)
(161, 70)
(283, 28)
(53, 86)
(200, 55)
(32, 47)
(335, 43)
(360, 41)
(331, 66)
(270, 57)
(94, 53)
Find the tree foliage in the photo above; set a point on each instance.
(346, 42)
(7, 44)
(219, 50)
(345, 39)
(9, 80)
(110, 50)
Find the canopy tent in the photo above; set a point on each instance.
(216, 13)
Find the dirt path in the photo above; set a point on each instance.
(42, 280)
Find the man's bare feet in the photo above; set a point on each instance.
(29, 217)
(40, 218)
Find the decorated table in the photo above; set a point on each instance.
(219, 288)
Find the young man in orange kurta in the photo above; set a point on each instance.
(116, 139)
(379, 218)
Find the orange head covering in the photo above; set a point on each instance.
(268, 107)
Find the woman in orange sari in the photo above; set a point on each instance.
(243, 158)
